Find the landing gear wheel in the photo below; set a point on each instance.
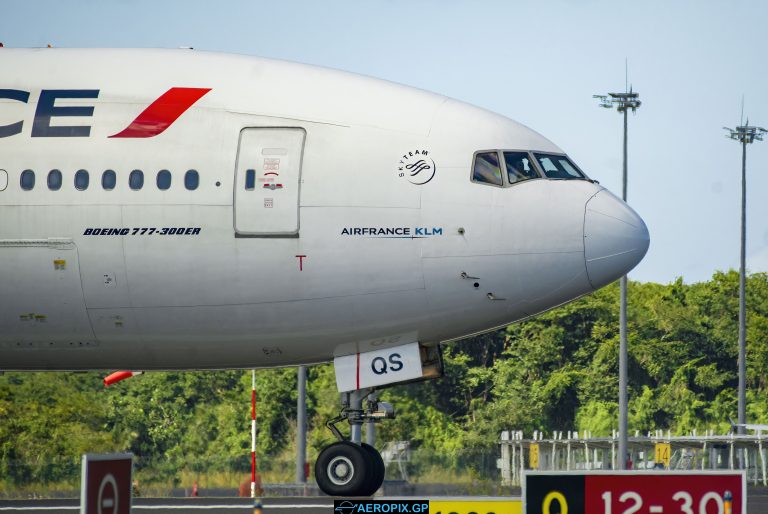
(344, 469)
(377, 475)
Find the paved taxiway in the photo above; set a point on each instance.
(298, 505)
(757, 504)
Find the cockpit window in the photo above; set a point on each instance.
(486, 168)
(558, 166)
(519, 166)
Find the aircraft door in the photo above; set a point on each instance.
(267, 179)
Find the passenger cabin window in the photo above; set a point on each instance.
(81, 180)
(519, 167)
(136, 180)
(250, 180)
(27, 180)
(163, 179)
(558, 166)
(191, 180)
(486, 168)
(3, 180)
(108, 180)
(54, 180)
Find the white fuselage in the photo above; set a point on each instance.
(333, 253)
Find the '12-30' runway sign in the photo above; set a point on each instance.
(634, 492)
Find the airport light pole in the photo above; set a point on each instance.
(623, 103)
(744, 134)
(253, 433)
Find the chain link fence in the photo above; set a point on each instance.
(409, 471)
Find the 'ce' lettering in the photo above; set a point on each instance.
(380, 367)
(46, 109)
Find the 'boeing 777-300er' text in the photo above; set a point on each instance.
(175, 209)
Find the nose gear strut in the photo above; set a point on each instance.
(353, 412)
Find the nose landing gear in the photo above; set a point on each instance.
(351, 467)
(348, 469)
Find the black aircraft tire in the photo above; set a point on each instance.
(343, 469)
(377, 476)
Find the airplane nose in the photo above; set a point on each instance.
(615, 238)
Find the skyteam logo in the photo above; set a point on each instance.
(393, 232)
(417, 167)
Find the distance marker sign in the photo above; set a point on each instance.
(634, 492)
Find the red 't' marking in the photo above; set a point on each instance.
(301, 262)
(163, 112)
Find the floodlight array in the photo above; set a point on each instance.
(746, 133)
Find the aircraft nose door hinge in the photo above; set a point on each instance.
(464, 275)
(494, 298)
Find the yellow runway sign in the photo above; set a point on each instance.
(475, 506)
(663, 454)
(533, 456)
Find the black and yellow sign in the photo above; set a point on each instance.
(663, 454)
(554, 494)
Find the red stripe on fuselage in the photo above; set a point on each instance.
(358, 371)
(163, 112)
